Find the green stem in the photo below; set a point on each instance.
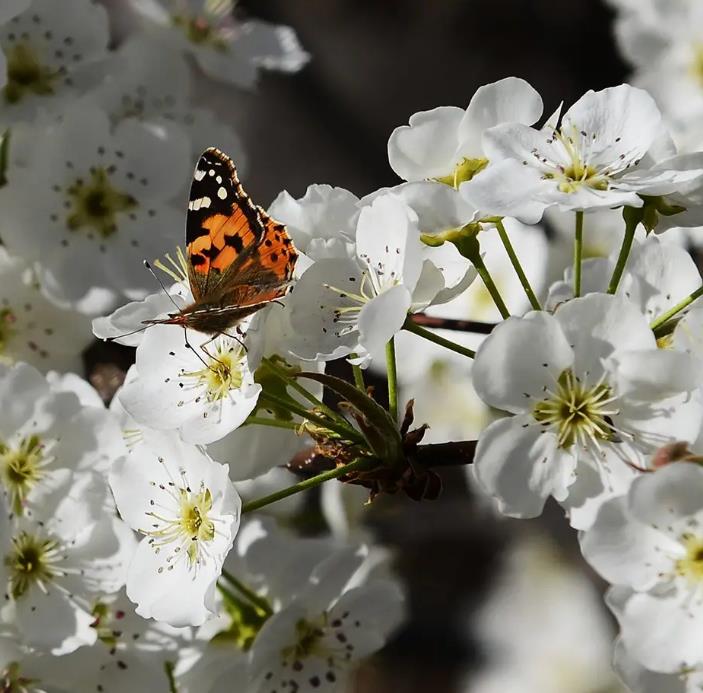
(517, 266)
(258, 601)
(273, 423)
(313, 481)
(632, 217)
(490, 285)
(578, 253)
(358, 375)
(410, 326)
(292, 382)
(168, 668)
(392, 375)
(665, 317)
(336, 425)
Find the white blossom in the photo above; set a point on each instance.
(32, 329)
(47, 49)
(589, 394)
(91, 206)
(225, 49)
(185, 506)
(596, 157)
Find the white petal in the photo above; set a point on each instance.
(508, 188)
(670, 494)
(507, 100)
(519, 359)
(427, 147)
(520, 466)
(600, 325)
(624, 550)
(382, 317)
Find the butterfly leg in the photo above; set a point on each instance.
(190, 346)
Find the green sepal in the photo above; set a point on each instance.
(378, 426)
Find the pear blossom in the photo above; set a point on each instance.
(150, 80)
(185, 506)
(639, 678)
(32, 329)
(658, 275)
(95, 200)
(203, 389)
(47, 53)
(649, 541)
(322, 223)
(129, 653)
(53, 564)
(363, 301)
(589, 395)
(328, 608)
(45, 437)
(314, 641)
(604, 153)
(224, 48)
(446, 144)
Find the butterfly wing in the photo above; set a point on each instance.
(223, 226)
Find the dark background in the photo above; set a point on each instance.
(375, 63)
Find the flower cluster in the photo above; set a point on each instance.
(130, 554)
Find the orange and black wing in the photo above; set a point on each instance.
(223, 227)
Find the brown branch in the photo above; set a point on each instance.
(452, 324)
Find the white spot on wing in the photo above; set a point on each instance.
(222, 194)
(211, 172)
(199, 174)
(219, 179)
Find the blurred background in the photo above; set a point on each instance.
(495, 605)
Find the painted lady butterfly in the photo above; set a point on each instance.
(239, 259)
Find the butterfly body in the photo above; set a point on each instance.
(238, 258)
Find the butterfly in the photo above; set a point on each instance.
(238, 258)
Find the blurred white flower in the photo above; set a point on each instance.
(188, 511)
(47, 48)
(91, 205)
(32, 329)
(45, 437)
(129, 653)
(226, 49)
(53, 564)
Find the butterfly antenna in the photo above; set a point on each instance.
(161, 284)
(126, 334)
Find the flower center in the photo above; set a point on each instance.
(21, 469)
(26, 75)
(189, 527)
(32, 561)
(12, 680)
(106, 624)
(95, 204)
(578, 173)
(580, 414)
(200, 31)
(308, 635)
(7, 331)
(691, 566)
(223, 373)
(464, 171)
